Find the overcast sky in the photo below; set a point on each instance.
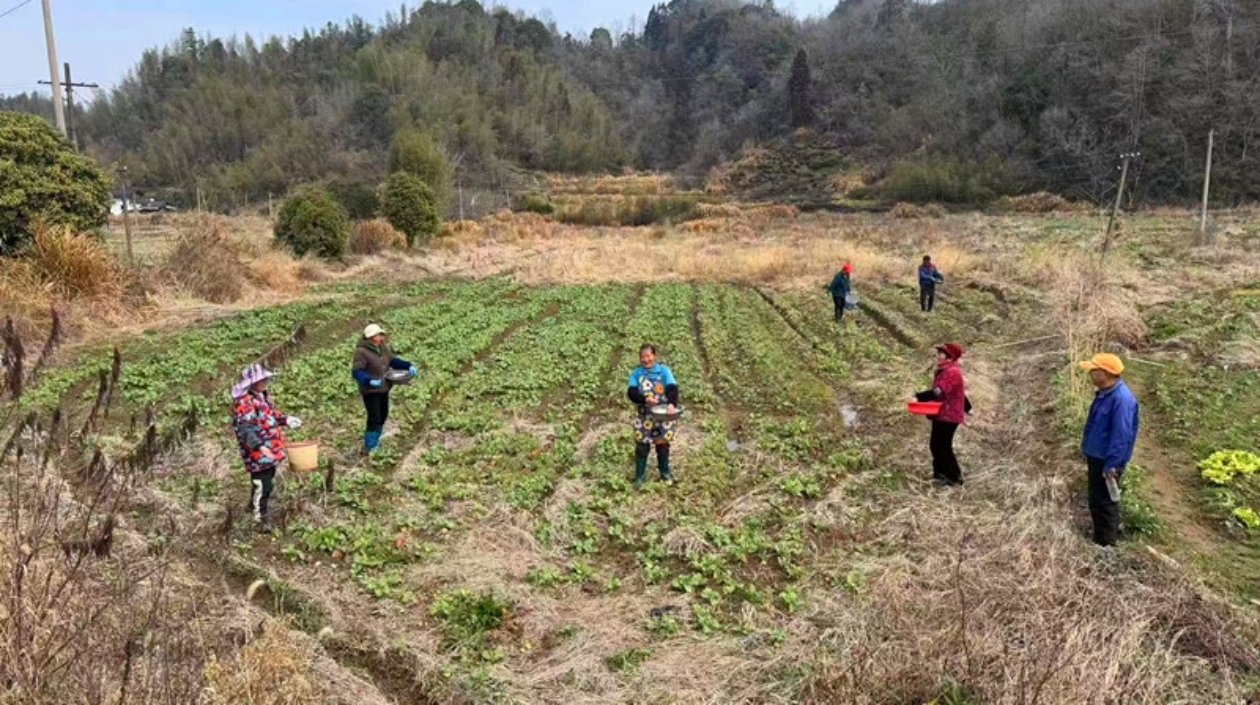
(103, 39)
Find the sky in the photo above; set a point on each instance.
(103, 39)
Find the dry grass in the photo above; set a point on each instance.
(74, 273)
(772, 245)
(272, 670)
(206, 263)
(374, 236)
(1039, 202)
(74, 266)
(910, 211)
(624, 185)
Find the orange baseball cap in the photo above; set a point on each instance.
(1105, 362)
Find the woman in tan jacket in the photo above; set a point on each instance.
(372, 359)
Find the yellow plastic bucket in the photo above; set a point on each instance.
(304, 455)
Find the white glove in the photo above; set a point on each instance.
(293, 422)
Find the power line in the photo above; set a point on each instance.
(15, 8)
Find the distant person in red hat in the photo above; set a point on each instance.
(951, 391)
(841, 286)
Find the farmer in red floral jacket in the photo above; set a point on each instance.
(257, 423)
(948, 388)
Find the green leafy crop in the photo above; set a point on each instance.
(1222, 467)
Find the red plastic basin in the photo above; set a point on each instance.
(924, 408)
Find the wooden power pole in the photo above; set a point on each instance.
(1207, 182)
(1115, 210)
(70, 85)
(126, 205)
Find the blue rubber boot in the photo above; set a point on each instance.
(371, 440)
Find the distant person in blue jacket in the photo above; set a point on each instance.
(929, 277)
(372, 359)
(1110, 434)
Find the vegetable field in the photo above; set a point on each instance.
(517, 429)
(494, 548)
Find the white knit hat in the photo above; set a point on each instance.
(372, 331)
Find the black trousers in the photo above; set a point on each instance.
(1104, 512)
(377, 406)
(944, 462)
(260, 492)
(839, 302)
(927, 295)
(643, 450)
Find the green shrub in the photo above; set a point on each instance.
(419, 154)
(627, 661)
(535, 203)
(43, 179)
(627, 211)
(928, 178)
(313, 221)
(407, 203)
(467, 618)
(359, 199)
(1137, 516)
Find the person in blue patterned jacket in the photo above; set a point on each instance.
(652, 384)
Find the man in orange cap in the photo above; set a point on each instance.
(1110, 434)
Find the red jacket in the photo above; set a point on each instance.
(952, 393)
(258, 423)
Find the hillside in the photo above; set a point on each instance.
(495, 551)
(1022, 95)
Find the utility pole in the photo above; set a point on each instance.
(126, 206)
(58, 110)
(70, 86)
(1124, 174)
(1207, 182)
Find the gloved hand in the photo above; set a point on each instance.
(375, 384)
(293, 422)
(414, 372)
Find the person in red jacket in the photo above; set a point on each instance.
(948, 388)
(257, 423)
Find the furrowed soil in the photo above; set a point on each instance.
(495, 550)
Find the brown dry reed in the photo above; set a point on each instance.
(375, 236)
(74, 273)
(206, 262)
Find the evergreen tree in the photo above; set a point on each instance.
(800, 92)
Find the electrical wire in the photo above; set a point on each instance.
(15, 8)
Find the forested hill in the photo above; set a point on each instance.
(1022, 94)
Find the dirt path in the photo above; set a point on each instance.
(1171, 474)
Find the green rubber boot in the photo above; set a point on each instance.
(640, 472)
(663, 464)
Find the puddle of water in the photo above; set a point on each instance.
(850, 416)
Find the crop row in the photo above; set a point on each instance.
(757, 362)
(555, 367)
(437, 336)
(663, 318)
(158, 369)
